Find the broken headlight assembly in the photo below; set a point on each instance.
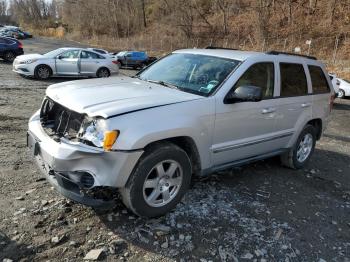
(95, 131)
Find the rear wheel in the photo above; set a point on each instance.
(103, 72)
(158, 182)
(9, 56)
(341, 93)
(42, 72)
(298, 156)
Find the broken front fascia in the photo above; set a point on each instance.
(60, 122)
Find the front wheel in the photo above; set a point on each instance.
(42, 72)
(158, 182)
(341, 93)
(298, 156)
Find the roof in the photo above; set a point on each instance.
(239, 55)
(224, 53)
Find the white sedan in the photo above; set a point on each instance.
(73, 62)
(344, 88)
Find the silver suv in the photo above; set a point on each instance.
(192, 112)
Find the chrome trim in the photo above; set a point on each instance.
(258, 141)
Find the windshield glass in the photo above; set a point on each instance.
(54, 53)
(193, 73)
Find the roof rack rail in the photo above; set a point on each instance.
(293, 54)
(217, 47)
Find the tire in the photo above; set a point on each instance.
(163, 190)
(42, 72)
(103, 72)
(341, 93)
(9, 56)
(297, 157)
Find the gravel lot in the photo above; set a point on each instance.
(260, 212)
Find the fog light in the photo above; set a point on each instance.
(87, 180)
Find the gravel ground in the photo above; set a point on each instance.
(260, 212)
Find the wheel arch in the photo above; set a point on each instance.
(103, 67)
(187, 144)
(317, 124)
(43, 64)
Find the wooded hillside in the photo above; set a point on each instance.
(166, 24)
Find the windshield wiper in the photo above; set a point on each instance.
(163, 83)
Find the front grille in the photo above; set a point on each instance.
(59, 121)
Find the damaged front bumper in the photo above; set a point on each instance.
(77, 170)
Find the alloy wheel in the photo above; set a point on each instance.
(103, 73)
(162, 183)
(43, 72)
(341, 93)
(305, 147)
(9, 57)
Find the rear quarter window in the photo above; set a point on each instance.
(293, 80)
(318, 80)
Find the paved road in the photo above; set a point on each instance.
(262, 211)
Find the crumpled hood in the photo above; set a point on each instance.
(107, 97)
(29, 56)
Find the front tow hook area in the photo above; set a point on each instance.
(97, 197)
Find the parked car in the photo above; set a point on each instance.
(9, 33)
(134, 59)
(10, 48)
(344, 88)
(193, 112)
(15, 32)
(105, 53)
(65, 62)
(335, 82)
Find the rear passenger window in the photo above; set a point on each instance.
(293, 80)
(260, 75)
(318, 80)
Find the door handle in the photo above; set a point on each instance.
(305, 105)
(268, 110)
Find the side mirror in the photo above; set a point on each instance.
(244, 94)
(60, 57)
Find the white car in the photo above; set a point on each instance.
(101, 51)
(335, 82)
(66, 62)
(344, 88)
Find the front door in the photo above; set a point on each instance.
(67, 63)
(247, 129)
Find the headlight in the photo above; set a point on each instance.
(95, 131)
(30, 61)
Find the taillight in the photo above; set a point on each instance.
(20, 45)
(331, 102)
(116, 62)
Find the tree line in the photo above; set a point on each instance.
(254, 19)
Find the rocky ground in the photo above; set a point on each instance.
(261, 212)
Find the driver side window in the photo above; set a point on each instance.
(261, 75)
(70, 54)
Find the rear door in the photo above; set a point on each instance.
(295, 100)
(89, 62)
(67, 63)
(321, 92)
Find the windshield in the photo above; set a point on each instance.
(54, 53)
(199, 74)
